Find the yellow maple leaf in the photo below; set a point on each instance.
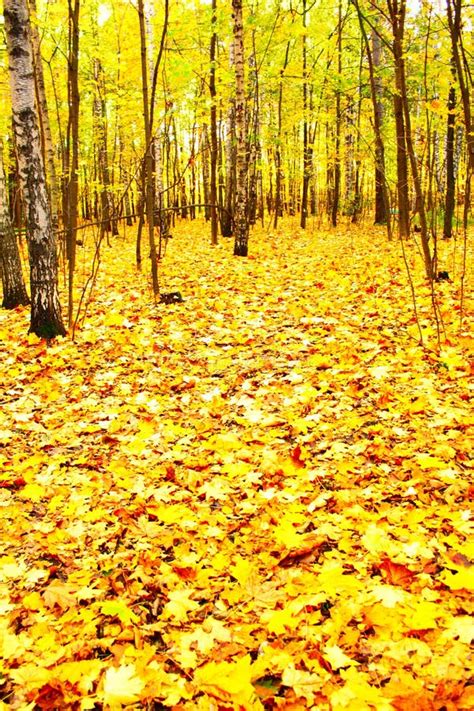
(179, 605)
(462, 580)
(358, 694)
(427, 461)
(241, 570)
(122, 685)
(425, 616)
(337, 658)
(60, 594)
(33, 601)
(280, 620)
(119, 609)
(303, 682)
(227, 678)
(33, 492)
(83, 673)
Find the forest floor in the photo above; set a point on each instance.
(258, 498)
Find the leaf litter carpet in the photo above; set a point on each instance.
(258, 498)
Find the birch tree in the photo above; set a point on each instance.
(46, 320)
(241, 235)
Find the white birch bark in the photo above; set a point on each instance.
(241, 234)
(46, 321)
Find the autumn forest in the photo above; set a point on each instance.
(236, 251)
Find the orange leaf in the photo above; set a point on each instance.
(396, 574)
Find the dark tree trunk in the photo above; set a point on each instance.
(72, 151)
(213, 125)
(382, 203)
(306, 152)
(450, 170)
(374, 59)
(397, 18)
(14, 290)
(337, 146)
(148, 162)
(397, 14)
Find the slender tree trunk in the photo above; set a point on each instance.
(463, 71)
(148, 172)
(306, 154)
(278, 159)
(397, 14)
(450, 173)
(374, 60)
(397, 17)
(254, 148)
(100, 121)
(227, 216)
(241, 220)
(464, 74)
(45, 126)
(358, 178)
(337, 146)
(350, 176)
(192, 209)
(382, 202)
(72, 150)
(213, 125)
(156, 147)
(205, 171)
(46, 319)
(14, 289)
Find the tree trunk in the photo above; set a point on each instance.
(374, 59)
(254, 150)
(241, 236)
(337, 146)
(464, 74)
(213, 125)
(397, 13)
(350, 173)
(450, 173)
(72, 151)
(463, 71)
(278, 160)
(148, 172)
(43, 114)
(100, 126)
(306, 153)
(204, 150)
(14, 290)
(227, 214)
(46, 321)
(382, 202)
(398, 25)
